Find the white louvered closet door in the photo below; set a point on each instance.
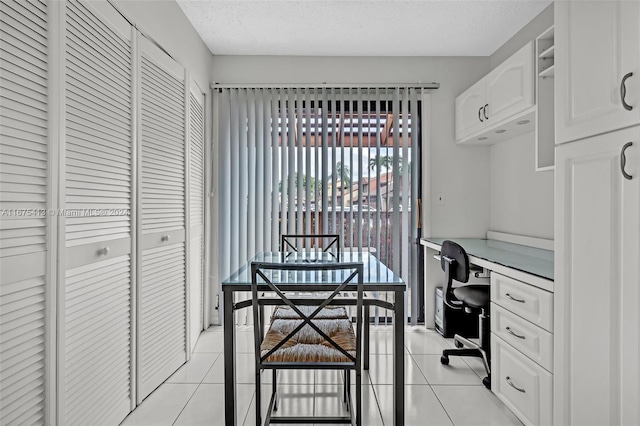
(24, 154)
(162, 271)
(196, 212)
(95, 337)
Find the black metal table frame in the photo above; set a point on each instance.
(397, 307)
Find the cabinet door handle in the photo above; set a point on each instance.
(164, 238)
(508, 379)
(103, 251)
(514, 299)
(623, 91)
(519, 336)
(484, 111)
(623, 160)
(479, 115)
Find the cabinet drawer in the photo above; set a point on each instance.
(529, 302)
(524, 386)
(531, 340)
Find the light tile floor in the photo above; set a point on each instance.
(434, 394)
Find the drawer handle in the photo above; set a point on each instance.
(508, 379)
(514, 334)
(514, 299)
(623, 91)
(623, 161)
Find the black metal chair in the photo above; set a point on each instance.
(325, 243)
(473, 298)
(310, 332)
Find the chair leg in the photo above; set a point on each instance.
(258, 399)
(347, 388)
(274, 389)
(366, 338)
(344, 386)
(470, 348)
(358, 397)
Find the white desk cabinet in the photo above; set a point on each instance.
(496, 99)
(597, 292)
(597, 45)
(522, 348)
(524, 386)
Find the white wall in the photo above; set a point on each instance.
(460, 173)
(166, 24)
(521, 199)
(529, 32)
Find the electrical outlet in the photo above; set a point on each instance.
(440, 199)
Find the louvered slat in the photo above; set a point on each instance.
(162, 314)
(23, 185)
(162, 142)
(197, 161)
(98, 299)
(196, 212)
(99, 106)
(98, 175)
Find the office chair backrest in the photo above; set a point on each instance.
(455, 264)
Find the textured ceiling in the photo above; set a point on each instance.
(358, 27)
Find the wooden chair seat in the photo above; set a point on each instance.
(307, 345)
(329, 312)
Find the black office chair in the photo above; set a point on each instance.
(473, 298)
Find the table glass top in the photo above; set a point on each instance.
(527, 259)
(375, 273)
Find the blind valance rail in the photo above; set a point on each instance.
(328, 86)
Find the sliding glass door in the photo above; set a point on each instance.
(312, 161)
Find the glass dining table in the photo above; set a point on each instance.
(377, 278)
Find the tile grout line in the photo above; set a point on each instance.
(196, 389)
(431, 387)
(375, 396)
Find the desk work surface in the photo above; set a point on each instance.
(376, 275)
(527, 259)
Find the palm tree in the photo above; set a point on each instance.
(385, 162)
(344, 173)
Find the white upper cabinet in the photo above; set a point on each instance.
(597, 67)
(469, 109)
(510, 86)
(493, 109)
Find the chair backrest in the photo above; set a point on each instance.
(329, 243)
(455, 264)
(311, 278)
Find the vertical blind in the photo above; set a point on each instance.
(316, 161)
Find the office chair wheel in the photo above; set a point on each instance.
(458, 344)
(487, 382)
(444, 360)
